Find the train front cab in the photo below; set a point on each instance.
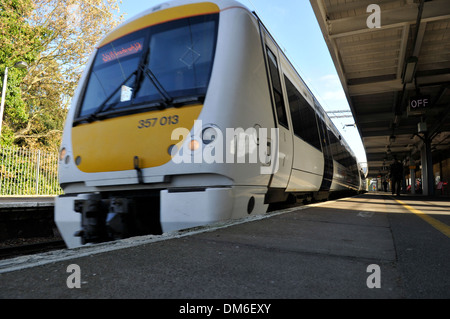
(190, 195)
(252, 84)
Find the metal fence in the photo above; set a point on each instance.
(28, 172)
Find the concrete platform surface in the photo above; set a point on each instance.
(26, 201)
(368, 246)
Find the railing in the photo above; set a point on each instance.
(28, 172)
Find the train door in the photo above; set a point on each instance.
(283, 141)
(327, 154)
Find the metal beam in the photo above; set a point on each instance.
(444, 117)
(420, 30)
(395, 85)
(402, 54)
(360, 5)
(391, 18)
(373, 117)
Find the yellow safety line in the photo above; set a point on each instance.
(443, 228)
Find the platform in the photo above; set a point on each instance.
(325, 250)
(11, 202)
(26, 217)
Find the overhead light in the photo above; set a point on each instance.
(422, 127)
(410, 69)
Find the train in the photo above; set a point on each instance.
(190, 114)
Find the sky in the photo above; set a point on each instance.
(295, 28)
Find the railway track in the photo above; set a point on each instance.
(27, 226)
(31, 248)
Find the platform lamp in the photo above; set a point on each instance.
(19, 65)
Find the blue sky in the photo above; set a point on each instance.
(295, 28)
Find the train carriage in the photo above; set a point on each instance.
(186, 115)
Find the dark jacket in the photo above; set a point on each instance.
(397, 170)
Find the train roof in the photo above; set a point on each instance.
(207, 7)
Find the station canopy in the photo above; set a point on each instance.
(396, 75)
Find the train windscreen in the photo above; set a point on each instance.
(159, 66)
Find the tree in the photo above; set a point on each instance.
(19, 41)
(68, 31)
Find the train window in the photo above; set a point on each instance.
(323, 132)
(158, 65)
(277, 89)
(303, 116)
(329, 139)
(334, 142)
(182, 64)
(342, 153)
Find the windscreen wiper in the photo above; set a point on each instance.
(161, 90)
(104, 107)
(143, 68)
(167, 100)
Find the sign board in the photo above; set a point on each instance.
(419, 104)
(111, 53)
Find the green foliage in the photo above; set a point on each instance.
(55, 38)
(15, 114)
(19, 41)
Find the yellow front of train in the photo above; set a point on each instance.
(137, 108)
(146, 79)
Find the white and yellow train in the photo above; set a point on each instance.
(152, 139)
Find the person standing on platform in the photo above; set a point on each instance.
(396, 176)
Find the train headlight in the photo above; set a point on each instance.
(209, 135)
(62, 154)
(194, 145)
